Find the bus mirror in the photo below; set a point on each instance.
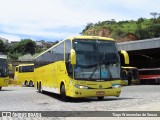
(10, 67)
(126, 56)
(73, 56)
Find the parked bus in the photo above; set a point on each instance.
(130, 75)
(4, 72)
(24, 74)
(149, 75)
(82, 66)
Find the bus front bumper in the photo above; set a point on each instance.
(78, 93)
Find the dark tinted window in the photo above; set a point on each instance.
(26, 69)
(51, 56)
(68, 48)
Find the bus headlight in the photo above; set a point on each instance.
(81, 87)
(116, 86)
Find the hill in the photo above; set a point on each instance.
(125, 30)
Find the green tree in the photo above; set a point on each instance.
(154, 14)
(26, 46)
(3, 47)
(141, 29)
(140, 32)
(13, 52)
(155, 30)
(89, 25)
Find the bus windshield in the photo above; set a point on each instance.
(96, 60)
(3, 68)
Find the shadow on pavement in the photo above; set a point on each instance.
(88, 99)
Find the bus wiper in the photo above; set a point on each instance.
(94, 71)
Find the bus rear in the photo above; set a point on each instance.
(130, 75)
(4, 75)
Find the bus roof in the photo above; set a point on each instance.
(78, 37)
(91, 37)
(25, 64)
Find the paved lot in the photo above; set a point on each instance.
(28, 99)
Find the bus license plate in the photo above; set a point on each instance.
(100, 93)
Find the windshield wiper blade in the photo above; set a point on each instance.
(93, 72)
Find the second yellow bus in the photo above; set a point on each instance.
(24, 74)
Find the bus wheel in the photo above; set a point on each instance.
(37, 85)
(40, 88)
(31, 84)
(26, 83)
(63, 94)
(100, 98)
(129, 82)
(0, 88)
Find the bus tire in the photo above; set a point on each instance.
(129, 82)
(40, 87)
(37, 85)
(0, 88)
(101, 98)
(26, 83)
(63, 94)
(31, 84)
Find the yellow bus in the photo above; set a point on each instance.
(24, 74)
(81, 66)
(130, 75)
(4, 72)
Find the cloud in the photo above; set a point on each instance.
(53, 19)
(10, 37)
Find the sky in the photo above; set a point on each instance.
(52, 20)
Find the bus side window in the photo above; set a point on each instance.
(20, 69)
